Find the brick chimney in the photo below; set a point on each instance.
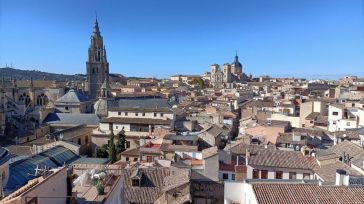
(240, 171)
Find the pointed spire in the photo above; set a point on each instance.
(96, 26)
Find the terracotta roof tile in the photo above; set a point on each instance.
(306, 193)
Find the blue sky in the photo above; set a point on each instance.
(307, 38)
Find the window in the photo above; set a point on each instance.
(149, 158)
(135, 182)
(306, 176)
(334, 122)
(66, 108)
(135, 159)
(161, 114)
(116, 127)
(292, 175)
(126, 113)
(119, 113)
(255, 174)
(233, 177)
(279, 174)
(143, 114)
(311, 121)
(347, 123)
(155, 114)
(33, 200)
(335, 113)
(127, 144)
(225, 176)
(353, 105)
(127, 159)
(264, 174)
(136, 114)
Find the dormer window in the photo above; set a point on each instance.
(135, 182)
(136, 177)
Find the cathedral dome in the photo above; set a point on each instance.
(236, 62)
(101, 107)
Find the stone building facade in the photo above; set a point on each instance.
(97, 67)
(229, 73)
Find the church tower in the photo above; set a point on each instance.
(97, 67)
(236, 67)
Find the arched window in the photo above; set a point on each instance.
(42, 100)
(27, 100)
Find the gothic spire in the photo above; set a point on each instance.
(96, 26)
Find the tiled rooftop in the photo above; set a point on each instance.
(267, 193)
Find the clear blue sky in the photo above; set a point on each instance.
(165, 37)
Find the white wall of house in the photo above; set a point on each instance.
(359, 112)
(239, 192)
(273, 170)
(340, 125)
(116, 127)
(334, 116)
(139, 114)
(229, 174)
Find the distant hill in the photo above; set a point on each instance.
(19, 74)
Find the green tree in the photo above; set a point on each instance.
(121, 144)
(112, 148)
(198, 81)
(102, 152)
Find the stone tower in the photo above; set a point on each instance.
(97, 67)
(236, 67)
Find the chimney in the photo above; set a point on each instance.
(240, 171)
(247, 155)
(341, 179)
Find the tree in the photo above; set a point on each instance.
(102, 151)
(198, 81)
(121, 144)
(112, 148)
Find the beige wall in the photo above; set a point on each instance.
(270, 133)
(54, 186)
(295, 121)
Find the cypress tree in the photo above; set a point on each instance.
(121, 145)
(112, 148)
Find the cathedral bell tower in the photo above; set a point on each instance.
(97, 67)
